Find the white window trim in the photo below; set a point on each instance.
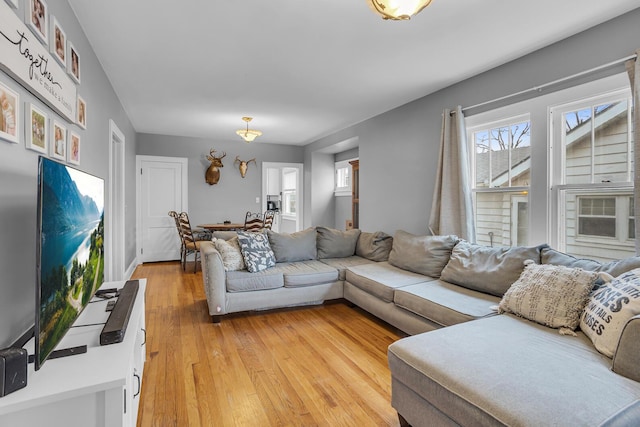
(342, 191)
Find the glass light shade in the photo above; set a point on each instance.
(248, 134)
(397, 10)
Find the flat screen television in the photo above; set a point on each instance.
(70, 250)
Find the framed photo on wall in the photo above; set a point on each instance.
(73, 67)
(10, 109)
(59, 143)
(38, 19)
(36, 128)
(73, 155)
(82, 113)
(58, 45)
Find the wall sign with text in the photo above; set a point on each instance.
(25, 59)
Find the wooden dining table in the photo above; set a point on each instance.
(222, 226)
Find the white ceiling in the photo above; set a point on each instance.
(305, 69)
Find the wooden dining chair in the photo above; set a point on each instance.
(176, 216)
(189, 243)
(268, 219)
(253, 222)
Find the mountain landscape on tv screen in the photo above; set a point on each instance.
(72, 251)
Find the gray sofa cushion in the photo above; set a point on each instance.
(487, 269)
(334, 243)
(614, 268)
(382, 279)
(298, 246)
(306, 273)
(341, 264)
(510, 371)
(421, 254)
(242, 281)
(374, 246)
(445, 303)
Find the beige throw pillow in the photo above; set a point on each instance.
(608, 310)
(551, 295)
(230, 252)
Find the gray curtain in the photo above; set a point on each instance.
(452, 205)
(634, 76)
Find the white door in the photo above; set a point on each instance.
(162, 188)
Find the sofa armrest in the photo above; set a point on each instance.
(214, 278)
(627, 356)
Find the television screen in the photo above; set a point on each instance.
(70, 250)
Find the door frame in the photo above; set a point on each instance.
(185, 189)
(300, 189)
(116, 219)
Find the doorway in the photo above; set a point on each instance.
(115, 245)
(282, 184)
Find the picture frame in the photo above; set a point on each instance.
(36, 129)
(13, 3)
(9, 114)
(58, 45)
(58, 140)
(73, 152)
(82, 112)
(73, 65)
(37, 19)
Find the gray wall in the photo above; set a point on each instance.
(398, 150)
(233, 195)
(18, 178)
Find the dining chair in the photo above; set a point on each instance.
(268, 219)
(176, 217)
(253, 221)
(190, 245)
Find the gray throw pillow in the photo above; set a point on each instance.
(256, 251)
(332, 243)
(614, 268)
(487, 269)
(298, 246)
(374, 246)
(421, 254)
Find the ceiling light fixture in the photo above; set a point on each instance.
(248, 134)
(398, 10)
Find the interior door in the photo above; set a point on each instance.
(277, 184)
(162, 188)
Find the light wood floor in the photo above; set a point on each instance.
(317, 366)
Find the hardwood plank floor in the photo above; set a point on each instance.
(314, 366)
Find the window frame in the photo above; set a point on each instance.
(344, 190)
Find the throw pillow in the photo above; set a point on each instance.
(608, 310)
(374, 246)
(421, 254)
(332, 243)
(256, 251)
(298, 246)
(487, 269)
(232, 259)
(552, 295)
(614, 268)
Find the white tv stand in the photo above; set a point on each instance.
(98, 388)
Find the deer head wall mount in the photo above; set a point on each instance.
(244, 165)
(212, 175)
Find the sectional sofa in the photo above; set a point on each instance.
(522, 336)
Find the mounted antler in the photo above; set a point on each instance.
(244, 165)
(213, 173)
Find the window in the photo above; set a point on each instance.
(289, 191)
(502, 166)
(343, 178)
(594, 187)
(557, 169)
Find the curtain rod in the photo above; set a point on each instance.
(555, 82)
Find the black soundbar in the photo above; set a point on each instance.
(116, 326)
